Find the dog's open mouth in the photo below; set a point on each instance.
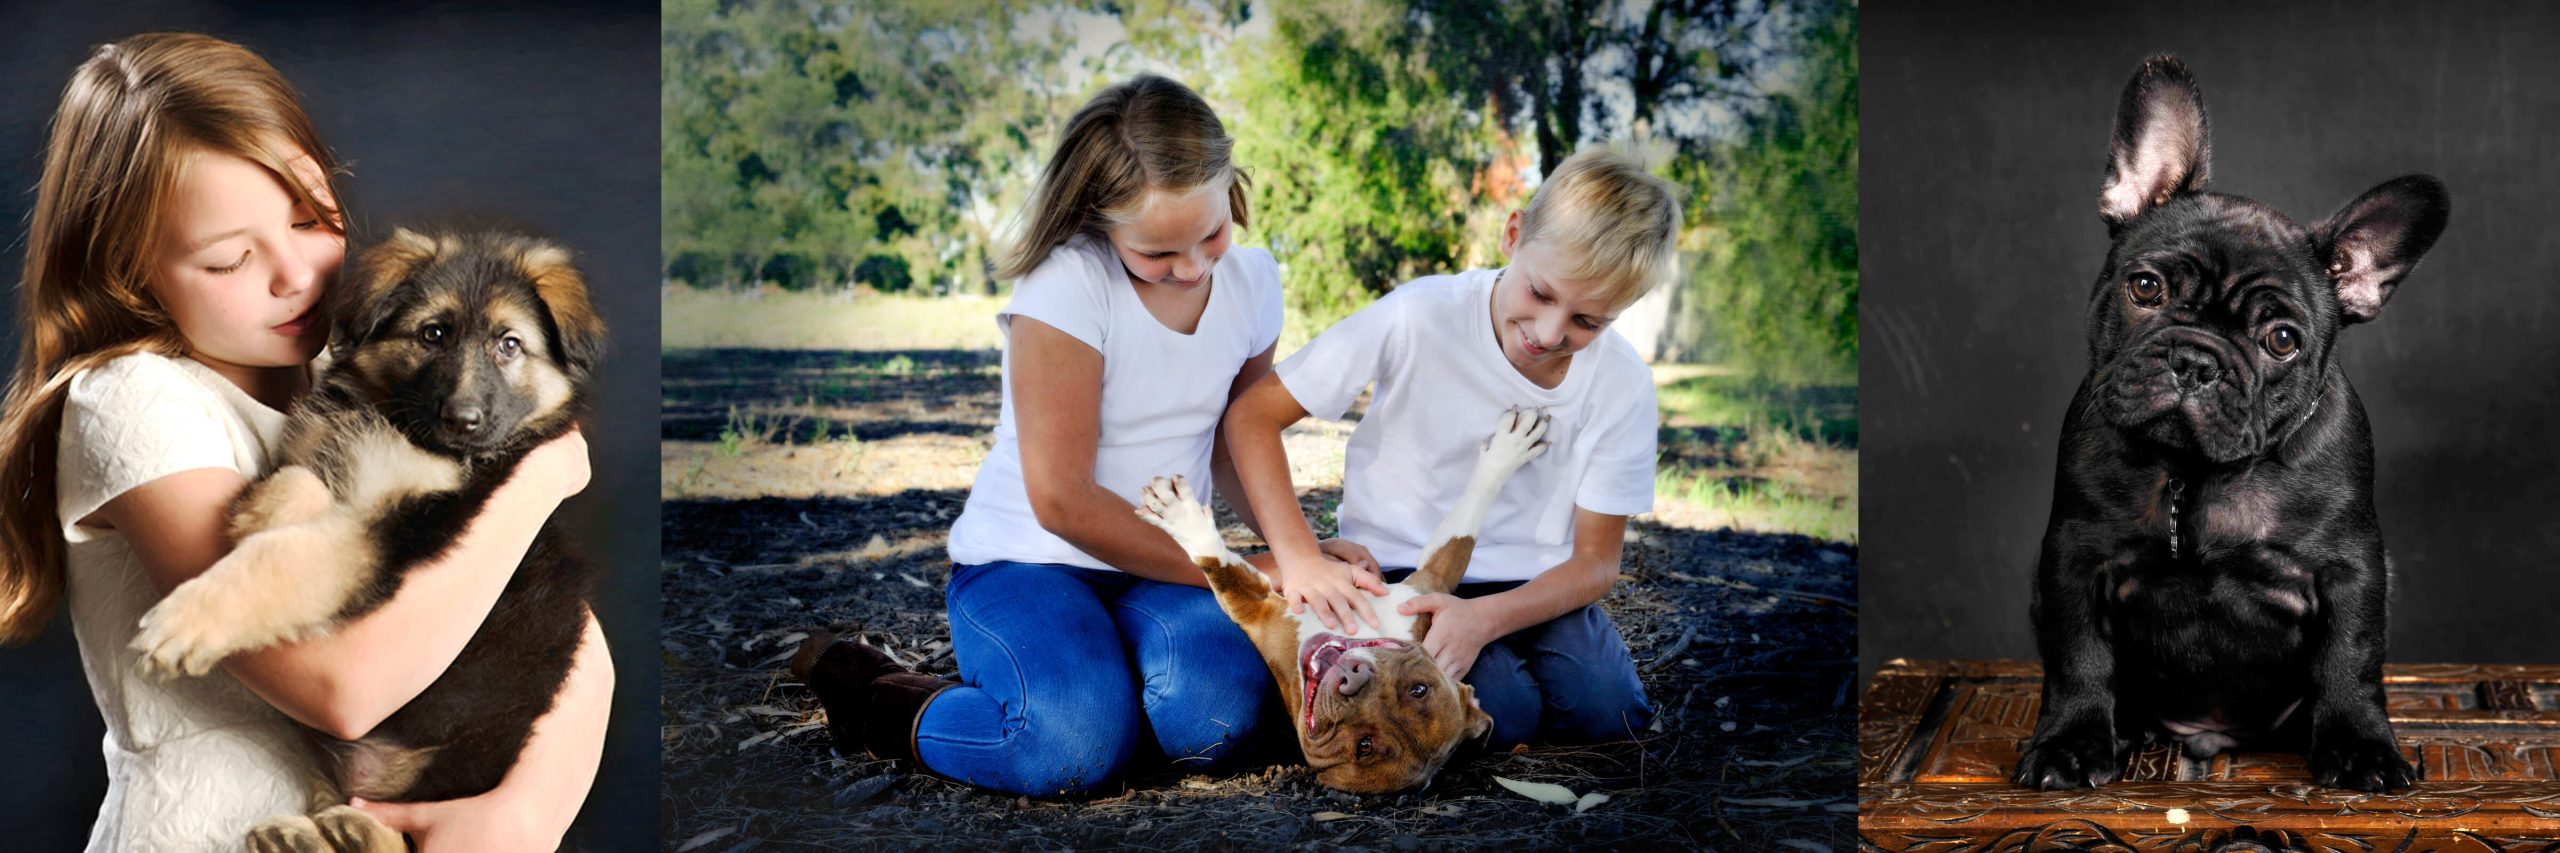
(1317, 659)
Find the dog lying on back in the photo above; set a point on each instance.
(1374, 713)
(453, 354)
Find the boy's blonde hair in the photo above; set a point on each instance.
(1614, 220)
(1149, 133)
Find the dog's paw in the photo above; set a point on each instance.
(2078, 757)
(2360, 761)
(186, 633)
(1171, 505)
(290, 834)
(351, 830)
(1518, 436)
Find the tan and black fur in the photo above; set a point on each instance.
(453, 354)
(1381, 716)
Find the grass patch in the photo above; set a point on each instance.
(1753, 454)
(779, 319)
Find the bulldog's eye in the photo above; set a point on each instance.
(510, 345)
(2146, 289)
(1419, 691)
(1366, 746)
(433, 333)
(2282, 341)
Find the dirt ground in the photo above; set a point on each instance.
(812, 488)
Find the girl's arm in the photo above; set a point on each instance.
(1057, 413)
(346, 682)
(1222, 465)
(533, 806)
(1460, 627)
(1252, 427)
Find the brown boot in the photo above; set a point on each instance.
(896, 703)
(840, 670)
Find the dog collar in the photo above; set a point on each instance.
(2177, 488)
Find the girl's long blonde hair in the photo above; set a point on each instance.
(1146, 133)
(130, 119)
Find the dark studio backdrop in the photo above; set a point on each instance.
(542, 117)
(1986, 130)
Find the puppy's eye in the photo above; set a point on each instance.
(510, 346)
(2146, 289)
(2282, 341)
(1418, 691)
(433, 333)
(1366, 746)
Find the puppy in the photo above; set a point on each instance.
(453, 354)
(2213, 573)
(1375, 714)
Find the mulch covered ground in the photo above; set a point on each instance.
(1746, 643)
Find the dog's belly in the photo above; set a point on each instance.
(2215, 658)
(1397, 625)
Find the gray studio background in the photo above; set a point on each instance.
(544, 117)
(1985, 132)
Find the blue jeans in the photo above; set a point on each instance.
(1070, 676)
(1568, 680)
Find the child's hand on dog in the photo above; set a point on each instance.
(1331, 589)
(562, 460)
(1459, 630)
(1358, 556)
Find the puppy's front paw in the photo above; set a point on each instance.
(2364, 761)
(186, 633)
(2083, 756)
(1518, 436)
(1171, 505)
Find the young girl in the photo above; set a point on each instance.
(184, 231)
(1085, 638)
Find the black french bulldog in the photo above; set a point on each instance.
(2213, 573)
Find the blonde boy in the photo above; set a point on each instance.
(1447, 354)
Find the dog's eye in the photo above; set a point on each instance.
(2146, 289)
(510, 345)
(2282, 341)
(1419, 691)
(1366, 746)
(433, 333)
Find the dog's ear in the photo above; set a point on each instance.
(2160, 148)
(2374, 241)
(578, 332)
(367, 298)
(1479, 724)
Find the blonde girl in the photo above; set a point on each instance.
(184, 232)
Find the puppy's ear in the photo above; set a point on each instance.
(2160, 149)
(579, 331)
(1479, 724)
(2369, 245)
(367, 298)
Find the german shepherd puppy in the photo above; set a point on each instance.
(452, 355)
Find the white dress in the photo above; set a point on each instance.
(192, 763)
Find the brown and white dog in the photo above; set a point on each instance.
(1374, 713)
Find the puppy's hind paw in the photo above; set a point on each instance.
(2070, 759)
(1171, 505)
(2360, 762)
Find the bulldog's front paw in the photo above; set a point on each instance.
(1171, 505)
(1517, 438)
(2081, 756)
(2347, 757)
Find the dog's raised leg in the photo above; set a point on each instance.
(276, 586)
(292, 495)
(1518, 436)
(1173, 507)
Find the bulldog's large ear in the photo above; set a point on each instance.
(366, 298)
(2370, 244)
(2160, 148)
(580, 338)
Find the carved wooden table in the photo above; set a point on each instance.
(1938, 739)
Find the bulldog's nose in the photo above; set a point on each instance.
(2194, 368)
(1355, 676)
(463, 415)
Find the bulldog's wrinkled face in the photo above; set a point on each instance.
(2211, 326)
(1376, 715)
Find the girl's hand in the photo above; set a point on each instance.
(1358, 556)
(563, 460)
(486, 822)
(1459, 631)
(1330, 589)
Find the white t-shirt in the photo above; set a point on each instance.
(1162, 391)
(192, 763)
(1441, 380)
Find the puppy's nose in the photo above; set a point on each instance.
(464, 415)
(1355, 677)
(2194, 368)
